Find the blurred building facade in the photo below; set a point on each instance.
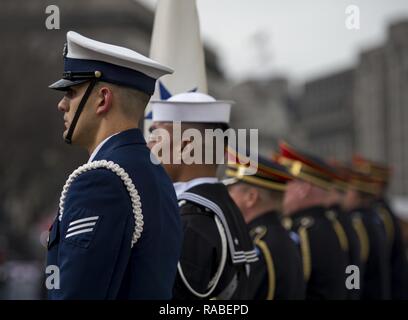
(363, 109)
(370, 108)
(397, 105)
(264, 105)
(325, 113)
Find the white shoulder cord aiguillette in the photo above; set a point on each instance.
(121, 173)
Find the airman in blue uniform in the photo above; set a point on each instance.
(118, 232)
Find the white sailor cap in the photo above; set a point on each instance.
(191, 107)
(85, 59)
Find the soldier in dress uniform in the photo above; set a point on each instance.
(278, 275)
(322, 239)
(217, 249)
(118, 231)
(375, 284)
(381, 174)
(352, 225)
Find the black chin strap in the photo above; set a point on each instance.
(68, 138)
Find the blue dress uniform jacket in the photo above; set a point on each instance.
(91, 245)
(324, 260)
(278, 275)
(348, 222)
(376, 281)
(398, 258)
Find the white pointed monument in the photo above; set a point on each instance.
(176, 42)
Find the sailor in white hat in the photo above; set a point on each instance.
(118, 232)
(217, 250)
(192, 107)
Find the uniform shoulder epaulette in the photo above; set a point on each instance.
(287, 223)
(330, 214)
(258, 232)
(307, 222)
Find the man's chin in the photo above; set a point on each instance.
(64, 136)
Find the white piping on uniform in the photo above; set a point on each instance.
(78, 232)
(84, 220)
(237, 256)
(89, 224)
(214, 281)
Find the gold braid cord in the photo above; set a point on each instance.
(388, 223)
(341, 234)
(362, 237)
(305, 249)
(269, 266)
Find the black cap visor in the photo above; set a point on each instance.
(65, 84)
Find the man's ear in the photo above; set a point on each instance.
(104, 98)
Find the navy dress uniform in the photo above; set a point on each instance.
(118, 231)
(278, 275)
(352, 224)
(381, 174)
(217, 251)
(376, 277)
(356, 239)
(217, 254)
(323, 241)
(398, 257)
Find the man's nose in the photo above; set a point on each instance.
(63, 105)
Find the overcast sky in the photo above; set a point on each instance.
(297, 38)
